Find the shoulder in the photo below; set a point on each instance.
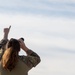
(26, 60)
(23, 58)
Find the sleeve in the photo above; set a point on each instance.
(3, 42)
(2, 46)
(31, 60)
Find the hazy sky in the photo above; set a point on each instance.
(48, 27)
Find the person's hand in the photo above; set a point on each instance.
(6, 30)
(22, 45)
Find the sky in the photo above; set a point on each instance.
(48, 27)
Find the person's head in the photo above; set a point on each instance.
(14, 43)
(10, 56)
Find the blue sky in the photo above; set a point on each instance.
(42, 7)
(48, 27)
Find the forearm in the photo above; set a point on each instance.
(4, 40)
(30, 52)
(5, 36)
(6, 32)
(32, 59)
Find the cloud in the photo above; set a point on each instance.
(55, 65)
(42, 31)
(59, 27)
(48, 8)
(51, 37)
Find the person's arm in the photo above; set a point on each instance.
(5, 37)
(32, 58)
(6, 32)
(4, 41)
